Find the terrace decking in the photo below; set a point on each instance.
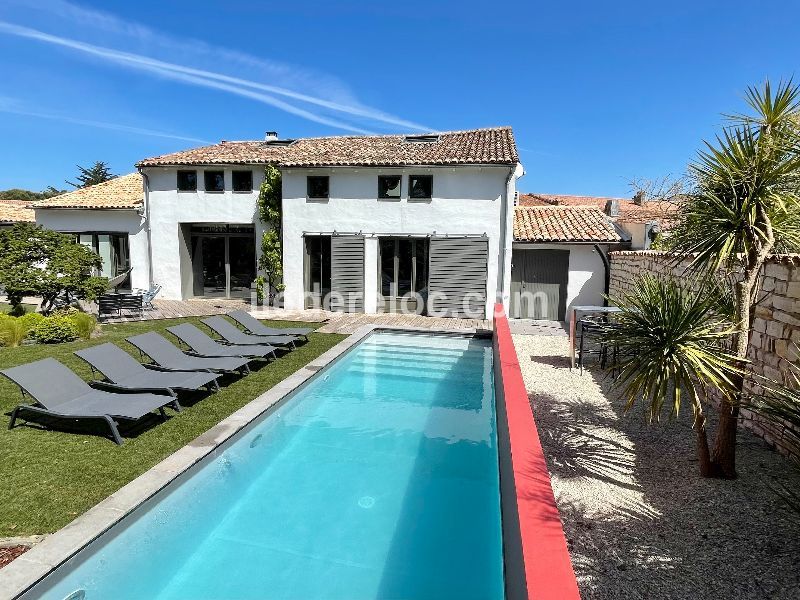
(334, 322)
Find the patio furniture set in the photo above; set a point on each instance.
(134, 303)
(129, 390)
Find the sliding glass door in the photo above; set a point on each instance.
(223, 261)
(403, 277)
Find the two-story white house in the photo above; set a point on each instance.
(369, 223)
(373, 223)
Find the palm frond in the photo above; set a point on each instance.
(670, 343)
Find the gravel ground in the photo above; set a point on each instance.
(640, 521)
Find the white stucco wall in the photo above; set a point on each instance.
(586, 280)
(104, 221)
(169, 208)
(466, 200)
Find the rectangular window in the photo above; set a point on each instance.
(242, 181)
(215, 181)
(317, 186)
(389, 186)
(187, 181)
(113, 250)
(420, 186)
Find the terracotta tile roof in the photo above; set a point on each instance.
(124, 192)
(563, 224)
(629, 212)
(16, 211)
(478, 146)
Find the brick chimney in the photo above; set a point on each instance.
(640, 198)
(612, 207)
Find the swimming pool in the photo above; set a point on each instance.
(377, 479)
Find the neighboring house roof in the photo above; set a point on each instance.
(478, 146)
(16, 211)
(124, 192)
(661, 211)
(563, 224)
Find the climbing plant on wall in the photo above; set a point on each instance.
(269, 211)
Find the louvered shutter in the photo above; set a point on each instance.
(458, 268)
(347, 273)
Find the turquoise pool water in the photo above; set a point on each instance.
(378, 479)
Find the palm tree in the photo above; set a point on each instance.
(745, 205)
(670, 344)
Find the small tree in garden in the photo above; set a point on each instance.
(269, 210)
(745, 205)
(671, 345)
(39, 262)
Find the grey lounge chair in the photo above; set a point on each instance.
(233, 335)
(256, 327)
(124, 371)
(169, 357)
(202, 345)
(61, 394)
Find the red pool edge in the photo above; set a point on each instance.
(538, 564)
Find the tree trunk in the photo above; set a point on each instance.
(706, 469)
(723, 457)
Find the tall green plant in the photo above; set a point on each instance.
(745, 205)
(39, 262)
(270, 199)
(670, 343)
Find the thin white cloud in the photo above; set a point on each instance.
(7, 106)
(337, 100)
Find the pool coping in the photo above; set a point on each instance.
(22, 574)
(538, 563)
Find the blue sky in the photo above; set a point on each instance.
(598, 93)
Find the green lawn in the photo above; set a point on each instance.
(5, 307)
(48, 477)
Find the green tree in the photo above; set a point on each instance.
(670, 342)
(97, 173)
(745, 205)
(39, 262)
(270, 199)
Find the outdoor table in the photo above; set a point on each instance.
(573, 319)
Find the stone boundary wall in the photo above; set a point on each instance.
(776, 325)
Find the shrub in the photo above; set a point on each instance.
(12, 331)
(84, 324)
(54, 330)
(31, 320)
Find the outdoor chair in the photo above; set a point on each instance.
(124, 371)
(202, 345)
(169, 357)
(148, 295)
(60, 394)
(591, 341)
(233, 335)
(108, 304)
(256, 327)
(131, 303)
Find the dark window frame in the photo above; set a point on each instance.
(208, 172)
(233, 180)
(327, 179)
(383, 196)
(178, 180)
(411, 195)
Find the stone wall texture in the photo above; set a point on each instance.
(776, 326)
